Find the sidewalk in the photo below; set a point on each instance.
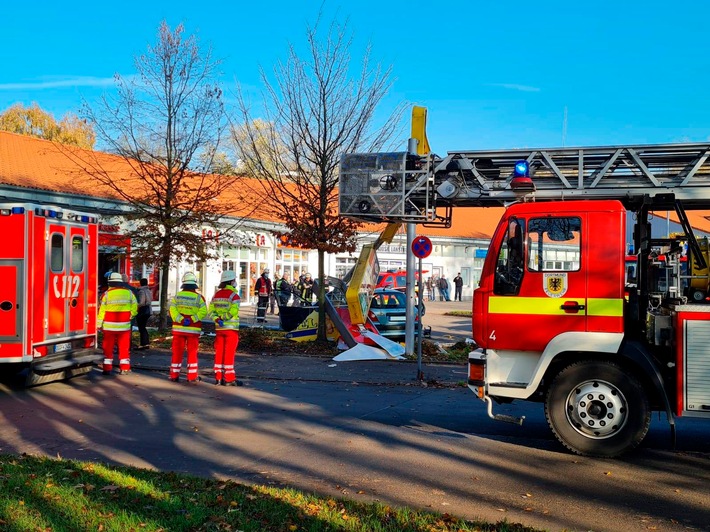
(309, 368)
(273, 366)
(444, 329)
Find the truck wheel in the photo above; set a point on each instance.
(697, 295)
(596, 409)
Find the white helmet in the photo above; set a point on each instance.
(189, 278)
(115, 277)
(228, 275)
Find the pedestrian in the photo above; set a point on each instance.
(118, 308)
(283, 290)
(272, 296)
(134, 291)
(429, 288)
(262, 289)
(443, 289)
(305, 289)
(224, 309)
(145, 298)
(434, 287)
(458, 287)
(187, 309)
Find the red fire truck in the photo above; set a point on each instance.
(48, 293)
(550, 317)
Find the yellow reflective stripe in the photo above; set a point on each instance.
(605, 307)
(526, 305)
(548, 306)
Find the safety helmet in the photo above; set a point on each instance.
(228, 275)
(115, 277)
(189, 278)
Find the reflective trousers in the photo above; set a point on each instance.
(261, 306)
(122, 339)
(180, 342)
(225, 348)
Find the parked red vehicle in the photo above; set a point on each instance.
(395, 279)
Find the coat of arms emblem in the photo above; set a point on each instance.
(555, 284)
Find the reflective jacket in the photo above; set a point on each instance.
(225, 306)
(118, 308)
(188, 304)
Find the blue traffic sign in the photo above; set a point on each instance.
(421, 247)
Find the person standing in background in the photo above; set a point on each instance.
(283, 289)
(272, 296)
(458, 287)
(443, 289)
(262, 290)
(305, 289)
(145, 298)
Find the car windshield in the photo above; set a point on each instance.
(389, 300)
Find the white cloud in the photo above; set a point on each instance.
(76, 81)
(517, 87)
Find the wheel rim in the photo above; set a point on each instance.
(596, 409)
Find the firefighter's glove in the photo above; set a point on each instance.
(220, 322)
(186, 322)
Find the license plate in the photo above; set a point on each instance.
(398, 318)
(66, 346)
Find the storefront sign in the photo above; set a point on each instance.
(105, 228)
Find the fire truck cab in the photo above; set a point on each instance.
(554, 318)
(48, 291)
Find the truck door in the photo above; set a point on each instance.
(67, 278)
(11, 331)
(537, 287)
(77, 293)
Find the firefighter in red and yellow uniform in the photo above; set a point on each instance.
(224, 309)
(118, 308)
(187, 309)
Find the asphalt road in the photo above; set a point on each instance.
(332, 429)
(367, 431)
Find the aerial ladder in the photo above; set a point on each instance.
(585, 332)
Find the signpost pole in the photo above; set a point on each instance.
(421, 248)
(420, 332)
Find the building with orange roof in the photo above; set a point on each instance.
(34, 170)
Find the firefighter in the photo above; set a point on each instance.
(187, 309)
(262, 289)
(224, 309)
(118, 308)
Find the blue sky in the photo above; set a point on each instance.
(493, 74)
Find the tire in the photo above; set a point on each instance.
(698, 296)
(595, 408)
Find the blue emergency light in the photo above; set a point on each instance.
(521, 177)
(522, 169)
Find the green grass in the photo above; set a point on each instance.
(42, 494)
(465, 313)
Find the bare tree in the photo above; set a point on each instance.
(160, 122)
(314, 111)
